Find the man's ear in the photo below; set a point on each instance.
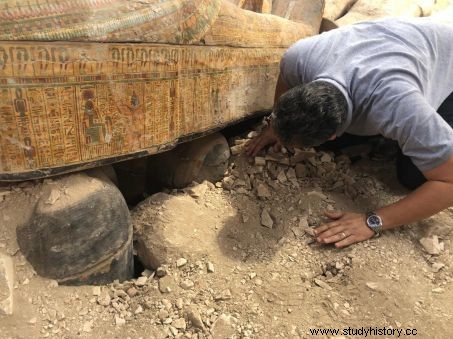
(333, 137)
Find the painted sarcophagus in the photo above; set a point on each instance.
(91, 82)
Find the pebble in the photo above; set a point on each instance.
(132, 292)
(262, 191)
(162, 314)
(104, 299)
(266, 219)
(181, 262)
(322, 284)
(187, 284)
(194, 317)
(210, 267)
(141, 281)
(432, 245)
(225, 295)
(139, 309)
(372, 286)
(161, 271)
(179, 324)
(97, 290)
(164, 284)
(119, 321)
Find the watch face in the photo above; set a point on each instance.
(374, 221)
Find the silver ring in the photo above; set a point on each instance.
(344, 235)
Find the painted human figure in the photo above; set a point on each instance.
(29, 152)
(20, 104)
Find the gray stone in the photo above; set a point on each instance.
(193, 315)
(262, 191)
(223, 327)
(432, 245)
(6, 285)
(266, 219)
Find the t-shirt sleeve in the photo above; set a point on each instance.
(420, 131)
(290, 65)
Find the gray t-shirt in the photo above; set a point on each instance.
(394, 73)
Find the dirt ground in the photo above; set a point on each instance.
(228, 276)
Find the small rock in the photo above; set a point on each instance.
(210, 267)
(228, 183)
(53, 284)
(119, 321)
(260, 161)
(179, 324)
(87, 326)
(187, 284)
(6, 285)
(132, 292)
(225, 295)
(141, 281)
(97, 290)
(431, 245)
(194, 317)
(281, 177)
(161, 271)
(322, 284)
(437, 266)
(181, 262)
(262, 191)
(164, 284)
(266, 219)
(197, 191)
(32, 321)
(236, 150)
(162, 314)
(139, 309)
(291, 174)
(53, 197)
(372, 286)
(252, 134)
(223, 327)
(104, 299)
(326, 157)
(148, 273)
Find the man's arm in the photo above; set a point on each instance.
(268, 136)
(432, 197)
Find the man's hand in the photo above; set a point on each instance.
(345, 229)
(267, 137)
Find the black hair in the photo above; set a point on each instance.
(308, 115)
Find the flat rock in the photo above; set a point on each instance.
(432, 245)
(372, 285)
(179, 324)
(165, 284)
(260, 161)
(223, 327)
(141, 281)
(187, 284)
(281, 177)
(262, 191)
(6, 285)
(181, 262)
(322, 284)
(193, 315)
(266, 219)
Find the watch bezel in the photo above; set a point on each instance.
(376, 228)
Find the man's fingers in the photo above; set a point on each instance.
(346, 242)
(334, 215)
(320, 229)
(331, 232)
(334, 237)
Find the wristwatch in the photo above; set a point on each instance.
(374, 222)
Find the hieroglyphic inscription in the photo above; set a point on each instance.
(72, 103)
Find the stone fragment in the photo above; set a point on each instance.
(372, 285)
(97, 290)
(164, 284)
(224, 295)
(432, 245)
(262, 191)
(326, 157)
(210, 267)
(88, 326)
(193, 315)
(138, 310)
(237, 149)
(281, 177)
(141, 281)
(104, 299)
(260, 161)
(252, 134)
(322, 284)
(161, 271)
(198, 190)
(181, 262)
(301, 155)
(266, 219)
(132, 292)
(53, 196)
(228, 183)
(437, 266)
(162, 314)
(6, 285)
(223, 327)
(187, 284)
(301, 171)
(119, 321)
(291, 174)
(179, 324)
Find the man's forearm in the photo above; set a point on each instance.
(430, 198)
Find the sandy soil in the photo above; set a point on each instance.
(227, 275)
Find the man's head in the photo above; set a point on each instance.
(310, 114)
